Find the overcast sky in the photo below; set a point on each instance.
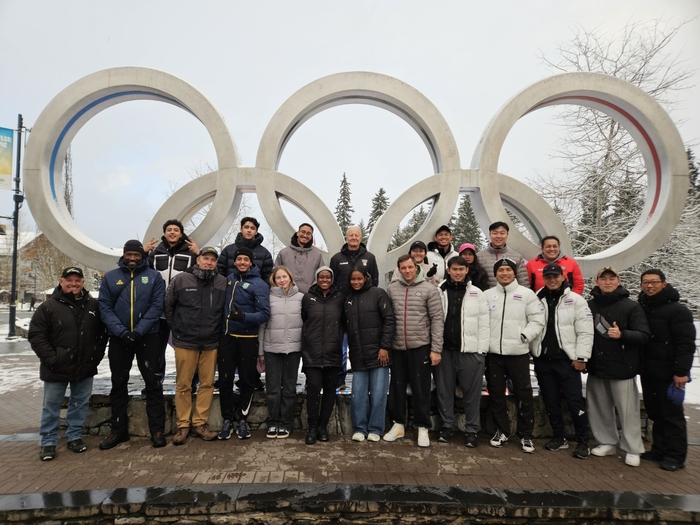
(247, 58)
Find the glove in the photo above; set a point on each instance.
(236, 315)
(131, 339)
(523, 339)
(432, 271)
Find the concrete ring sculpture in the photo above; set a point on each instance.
(59, 122)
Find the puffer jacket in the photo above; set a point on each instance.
(617, 358)
(248, 293)
(194, 308)
(344, 261)
(513, 310)
(474, 320)
(422, 269)
(302, 261)
(171, 260)
(68, 336)
(488, 257)
(139, 306)
(574, 326)
(419, 315)
(261, 256)
(572, 272)
(323, 330)
(433, 256)
(671, 346)
(281, 333)
(370, 324)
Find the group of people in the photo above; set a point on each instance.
(448, 315)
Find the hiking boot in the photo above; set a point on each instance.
(499, 439)
(604, 450)
(423, 437)
(556, 443)
(181, 435)
(243, 432)
(77, 446)
(311, 435)
(271, 432)
(582, 451)
(396, 432)
(226, 430)
(282, 433)
(323, 433)
(445, 435)
(527, 446)
(470, 440)
(204, 432)
(158, 440)
(113, 440)
(47, 453)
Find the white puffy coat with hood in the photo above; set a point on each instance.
(514, 311)
(475, 318)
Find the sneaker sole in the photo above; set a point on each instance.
(282, 436)
(528, 451)
(563, 447)
(390, 438)
(603, 454)
(497, 444)
(244, 437)
(271, 436)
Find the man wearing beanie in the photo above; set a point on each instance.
(516, 318)
(131, 303)
(440, 251)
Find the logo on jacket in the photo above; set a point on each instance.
(313, 299)
(364, 262)
(246, 285)
(120, 282)
(473, 294)
(568, 302)
(144, 279)
(517, 297)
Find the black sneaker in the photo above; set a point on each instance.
(282, 433)
(323, 433)
(113, 440)
(77, 446)
(445, 435)
(271, 432)
(671, 466)
(470, 440)
(158, 440)
(47, 453)
(311, 435)
(582, 451)
(556, 443)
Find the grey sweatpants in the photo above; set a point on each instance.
(468, 369)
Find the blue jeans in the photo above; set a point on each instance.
(368, 402)
(54, 391)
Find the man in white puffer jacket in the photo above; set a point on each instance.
(464, 349)
(516, 318)
(561, 352)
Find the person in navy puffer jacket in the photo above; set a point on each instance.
(131, 303)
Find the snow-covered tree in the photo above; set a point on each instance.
(380, 203)
(344, 209)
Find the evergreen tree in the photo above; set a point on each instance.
(380, 203)
(401, 235)
(344, 209)
(464, 226)
(363, 230)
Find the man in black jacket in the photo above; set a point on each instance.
(621, 330)
(666, 360)
(67, 335)
(194, 308)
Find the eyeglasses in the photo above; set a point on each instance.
(647, 283)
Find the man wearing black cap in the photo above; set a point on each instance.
(418, 251)
(516, 318)
(67, 335)
(440, 251)
(194, 308)
(131, 303)
(561, 353)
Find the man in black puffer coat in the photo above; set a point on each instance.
(68, 336)
(249, 238)
(666, 359)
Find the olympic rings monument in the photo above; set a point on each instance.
(649, 125)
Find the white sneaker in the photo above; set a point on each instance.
(395, 433)
(423, 437)
(358, 436)
(604, 450)
(372, 437)
(632, 460)
(527, 446)
(499, 439)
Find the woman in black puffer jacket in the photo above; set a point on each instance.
(370, 326)
(322, 350)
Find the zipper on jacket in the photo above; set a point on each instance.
(405, 316)
(233, 292)
(503, 317)
(132, 294)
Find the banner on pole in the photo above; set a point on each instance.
(6, 136)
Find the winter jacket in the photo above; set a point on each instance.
(302, 261)
(671, 346)
(323, 330)
(139, 306)
(345, 260)
(171, 260)
(419, 315)
(248, 293)
(433, 256)
(68, 336)
(478, 276)
(617, 358)
(474, 317)
(422, 269)
(194, 308)
(573, 325)
(571, 271)
(370, 324)
(281, 333)
(488, 257)
(261, 256)
(514, 310)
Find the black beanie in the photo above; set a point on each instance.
(245, 251)
(505, 260)
(134, 246)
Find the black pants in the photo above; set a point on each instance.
(410, 367)
(557, 379)
(517, 367)
(669, 432)
(281, 372)
(121, 358)
(316, 379)
(237, 353)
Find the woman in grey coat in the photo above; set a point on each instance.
(280, 350)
